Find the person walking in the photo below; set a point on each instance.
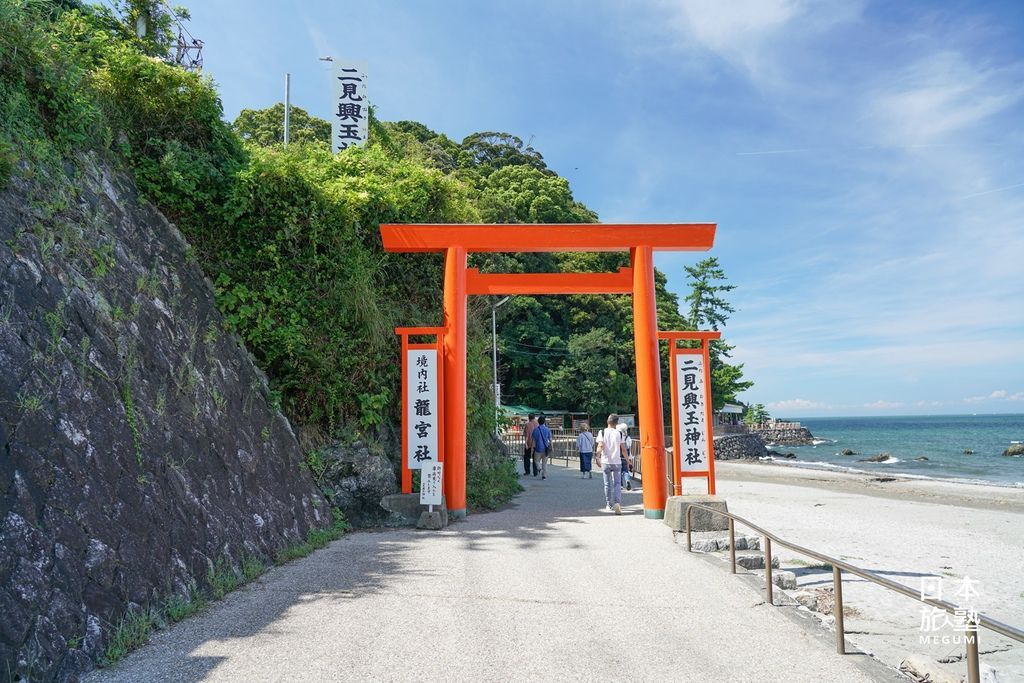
(531, 424)
(541, 446)
(610, 454)
(585, 445)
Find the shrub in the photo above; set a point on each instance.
(491, 481)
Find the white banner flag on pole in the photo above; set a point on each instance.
(350, 113)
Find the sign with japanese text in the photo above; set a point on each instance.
(350, 110)
(421, 407)
(691, 403)
(431, 483)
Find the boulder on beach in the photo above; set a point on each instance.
(1015, 449)
(848, 451)
(881, 457)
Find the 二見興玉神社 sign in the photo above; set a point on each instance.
(691, 404)
(421, 406)
(693, 438)
(350, 109)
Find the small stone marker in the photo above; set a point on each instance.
(701, 520)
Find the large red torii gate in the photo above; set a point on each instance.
(640, 240)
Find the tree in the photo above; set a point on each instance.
(491, 151)
(708, 309)
(265, 127)
(756, 414)
(590, 379)
(156, 19)
(523, 194)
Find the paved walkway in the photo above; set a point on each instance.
(551, 589)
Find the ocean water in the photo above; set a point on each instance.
(940, 438)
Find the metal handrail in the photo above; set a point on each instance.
(838, 567)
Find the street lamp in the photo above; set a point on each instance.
(494, 353)
(288, 103)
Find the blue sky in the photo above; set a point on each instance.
(864, 161)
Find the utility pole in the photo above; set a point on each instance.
(287, 105)
(494, 353)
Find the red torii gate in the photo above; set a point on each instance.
(640, 240)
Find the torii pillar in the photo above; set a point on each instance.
(640, 240)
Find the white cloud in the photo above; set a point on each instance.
(997, 395)
(939, 95)
(883, 405)
(796, 404)
(750, 34)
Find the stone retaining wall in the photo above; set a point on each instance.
(139, 444)
(800, 436)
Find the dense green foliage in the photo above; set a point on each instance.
(301, 276)
(266, 126)
(289, 235)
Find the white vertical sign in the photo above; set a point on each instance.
(692, 398)
(421, 406)
(431, 483)
(350, 113)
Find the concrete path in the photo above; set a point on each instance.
(552, 588)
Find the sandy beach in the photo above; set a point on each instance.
(902, 528)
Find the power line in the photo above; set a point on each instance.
(534, 346)
(177, 20)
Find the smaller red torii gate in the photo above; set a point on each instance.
(640, 240)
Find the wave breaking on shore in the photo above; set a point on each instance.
(821, 465)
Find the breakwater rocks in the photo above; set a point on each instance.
(740, 447)
(140, 449)
(794, 436)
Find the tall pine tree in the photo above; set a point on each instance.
(708, 309)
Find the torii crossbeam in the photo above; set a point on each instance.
(640, 240)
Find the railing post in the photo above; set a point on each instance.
(732, 544)
(973, 668)
(688, 548)
(837, 609)
(768, 569)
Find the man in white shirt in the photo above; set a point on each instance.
(610, 455)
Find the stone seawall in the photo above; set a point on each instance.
(800, 436)
(140, 448)
(739, 447)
